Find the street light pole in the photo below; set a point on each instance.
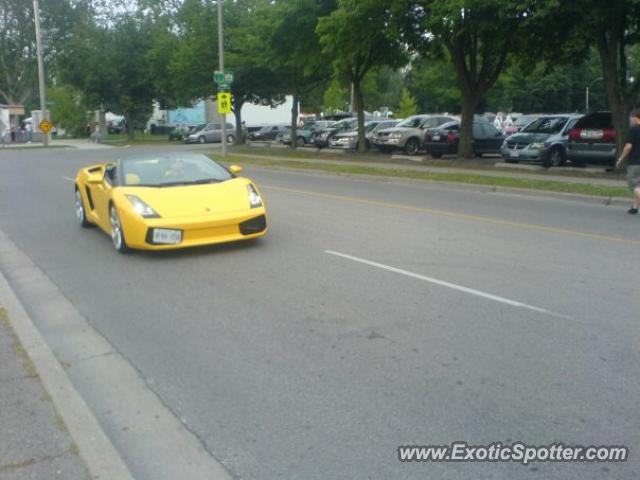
(43, 88)
(221, 67)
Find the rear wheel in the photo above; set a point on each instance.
(117, 235)
(81, 214)
(231, 139)
(412, 146)
(555, 158)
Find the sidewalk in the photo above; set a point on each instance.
(35, 443)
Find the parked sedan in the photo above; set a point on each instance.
(487, 139)
(408, 134)
(544, 140)
(349, 140)
(268, 132)
(321, 137)
(593, 139)
(212, 132)
(304, 135)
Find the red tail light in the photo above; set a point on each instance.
(574, 134)
(609, 135)
(452, 137)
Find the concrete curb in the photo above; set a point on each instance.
(95, 448)
(524, 192)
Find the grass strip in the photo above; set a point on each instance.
(463, 178)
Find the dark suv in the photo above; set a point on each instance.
(593, 140)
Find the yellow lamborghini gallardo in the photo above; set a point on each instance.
(169, 200)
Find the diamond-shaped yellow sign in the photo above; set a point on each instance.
(45, 126)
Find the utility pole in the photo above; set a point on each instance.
(221, 67)
(43, 88)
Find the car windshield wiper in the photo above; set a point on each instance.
(207, 180)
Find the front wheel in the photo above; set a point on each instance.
(117, 234)
(230, 139)
(81, 214)
(412, 146)
(201, 139)
(555, 158)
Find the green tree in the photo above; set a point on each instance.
(68, 110)
(407, 106)
(478, 36)
(359, 36)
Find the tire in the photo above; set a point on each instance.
(230, 139)
(201, 139)
(117, 233)
(436, 155)
(556, 158)
(411, 147)
(300, 142)
(81, 213)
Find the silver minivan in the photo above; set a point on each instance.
(211, 132)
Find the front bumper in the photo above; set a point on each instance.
(196, 231)
(389, 142)
(525, 154)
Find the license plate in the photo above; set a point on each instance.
(436, 138)
(591, 134)
(163, 235)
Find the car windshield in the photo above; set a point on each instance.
(171, 169)
(411, 122)
(546, 125)
(522, 121)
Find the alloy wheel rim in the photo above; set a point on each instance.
(79, 207)
(412, 148)
(116, 230)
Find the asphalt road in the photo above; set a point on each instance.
(374, 314)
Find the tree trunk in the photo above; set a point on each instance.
(294, 122)
(359, 106)
(240, 132)
(129, 119)
(465, 145)
(620, 103)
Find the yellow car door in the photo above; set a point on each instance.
(101, 193)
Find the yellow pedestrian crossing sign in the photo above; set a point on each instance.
(224, 103)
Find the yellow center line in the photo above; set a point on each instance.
(463, 216)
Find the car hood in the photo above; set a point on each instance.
(194, 200)
(524, 137)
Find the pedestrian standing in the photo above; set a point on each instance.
(631, 156)
(29, 132)
(13, 133)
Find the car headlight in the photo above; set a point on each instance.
(538, 145)
(255, 200)
(142, 208)
(395, 135)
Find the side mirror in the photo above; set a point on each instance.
(235, 169)
(94, 178)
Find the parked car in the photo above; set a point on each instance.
(268, 132)
(543, 140)
(349, 140)
(519, 123)
(593, 140)
(487, 139)
(408, 135)
(321, 138)
(305, 134)
(178, 133)
(211, 132)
